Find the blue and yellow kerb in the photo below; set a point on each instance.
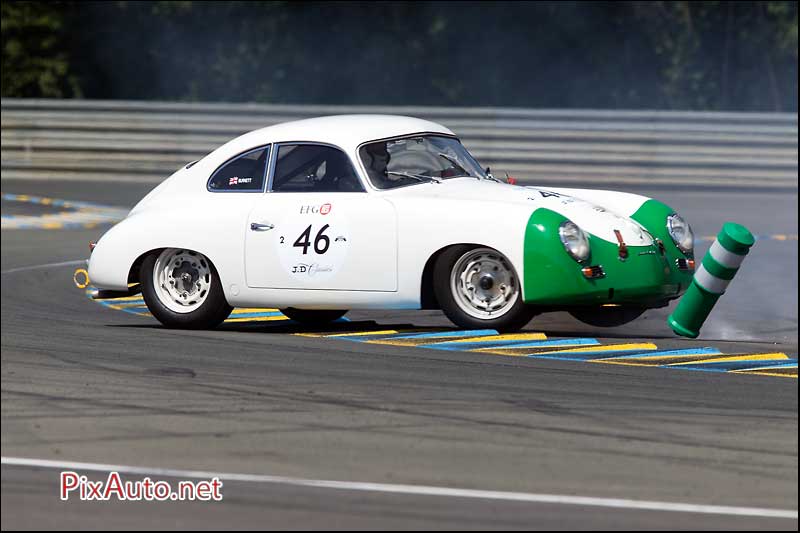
(68, 215)
(582, 349)
(533, 345)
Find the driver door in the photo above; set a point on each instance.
(317, 227)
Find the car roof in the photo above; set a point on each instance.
(345, 131)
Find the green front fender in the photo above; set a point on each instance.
(551, 277)
(653, 216)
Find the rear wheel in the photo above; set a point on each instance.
(182, 289)
(313, 316)
(478, 288)
(607, 317)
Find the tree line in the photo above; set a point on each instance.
(695, 55)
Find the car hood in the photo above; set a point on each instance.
(598, 219)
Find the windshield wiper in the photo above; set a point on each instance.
(418, 177)
(490, 176)
(455, 162)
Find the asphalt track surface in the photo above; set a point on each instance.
(81, 382)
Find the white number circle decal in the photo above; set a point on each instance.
(313, 243)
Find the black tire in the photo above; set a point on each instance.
(213, 311)
(313, 317)
(513, 319)
(607, 317)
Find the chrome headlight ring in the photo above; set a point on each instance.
(575, 241)
(681, 233)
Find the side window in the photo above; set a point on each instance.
(314, 168)
(245, 173)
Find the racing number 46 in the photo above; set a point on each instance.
(321, 241)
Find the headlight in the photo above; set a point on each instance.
(681, 233)
(575, 240)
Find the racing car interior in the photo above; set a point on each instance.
(314, 168)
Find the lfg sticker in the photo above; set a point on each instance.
(323, 209)
(74, 485)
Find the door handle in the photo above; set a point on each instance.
(255, 226)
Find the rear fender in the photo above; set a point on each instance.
(119, 249)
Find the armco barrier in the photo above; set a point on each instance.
(147, 141)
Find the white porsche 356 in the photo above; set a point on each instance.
(321, 216)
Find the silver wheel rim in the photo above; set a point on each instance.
(483, 284)
(182, 279)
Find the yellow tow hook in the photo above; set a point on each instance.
(81, 278)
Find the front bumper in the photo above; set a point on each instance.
(648, 277)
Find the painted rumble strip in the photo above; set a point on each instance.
(533, 345)
(419, 490)
(583, 349)
(70, 215)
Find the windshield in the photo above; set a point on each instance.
(424, 158)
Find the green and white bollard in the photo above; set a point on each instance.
(719, 265)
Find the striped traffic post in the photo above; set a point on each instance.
(711, 279)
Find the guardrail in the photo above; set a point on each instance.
(147, 141)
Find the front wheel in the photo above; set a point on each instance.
(315, 317)
(182, 289)
(478, 288)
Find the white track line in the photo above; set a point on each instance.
(419, 490)
(48, 265)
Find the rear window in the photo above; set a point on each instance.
(244, 173)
